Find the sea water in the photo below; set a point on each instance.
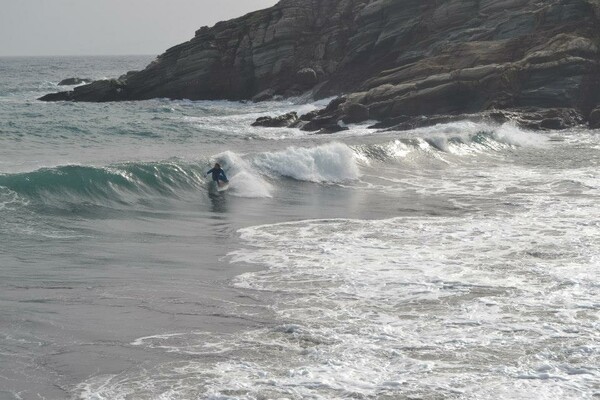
(460, 261)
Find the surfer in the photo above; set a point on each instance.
(218, 174)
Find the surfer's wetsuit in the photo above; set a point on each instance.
(218, 175)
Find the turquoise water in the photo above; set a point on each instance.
(457, 261)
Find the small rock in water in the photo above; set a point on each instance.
(277, 122)
(74, 81)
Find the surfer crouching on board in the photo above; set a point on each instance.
(218, 174)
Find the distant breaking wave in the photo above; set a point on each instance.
(459, 138)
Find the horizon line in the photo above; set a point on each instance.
(75, 55)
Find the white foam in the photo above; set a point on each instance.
(466, 137)
(244, 180)
(394, 150)
(509, 133)
(478, 306)
(10, 200)
(461, 291)
(331, 163)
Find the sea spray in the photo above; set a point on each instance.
(244, 180)
(329, 163)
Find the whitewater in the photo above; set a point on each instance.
(459, 261)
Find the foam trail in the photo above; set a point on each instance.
(10, 200)
(330, 163)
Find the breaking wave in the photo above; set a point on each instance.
(330, 163)
(256, 175)
(459, 139)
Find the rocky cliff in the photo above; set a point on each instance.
(391, 58)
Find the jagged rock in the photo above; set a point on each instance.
(74, 81)
(309, 115)
(395, 57)
(277, 122)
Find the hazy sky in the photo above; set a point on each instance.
(112, 27)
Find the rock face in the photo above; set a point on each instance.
(391, 58)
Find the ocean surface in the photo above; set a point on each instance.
(460, 261)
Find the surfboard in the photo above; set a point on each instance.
(217, 188)
(222, 186)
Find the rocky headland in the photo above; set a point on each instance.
(535, 62)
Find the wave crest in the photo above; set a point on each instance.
(330, 163)
(459, 139)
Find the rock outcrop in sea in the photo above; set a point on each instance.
(74, 81)
(393, 60)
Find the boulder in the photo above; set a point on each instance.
(332, 128)
(326, 122)
(74, 81)
(277, 122)
(355, 113)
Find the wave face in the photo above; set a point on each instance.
(119, 183)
